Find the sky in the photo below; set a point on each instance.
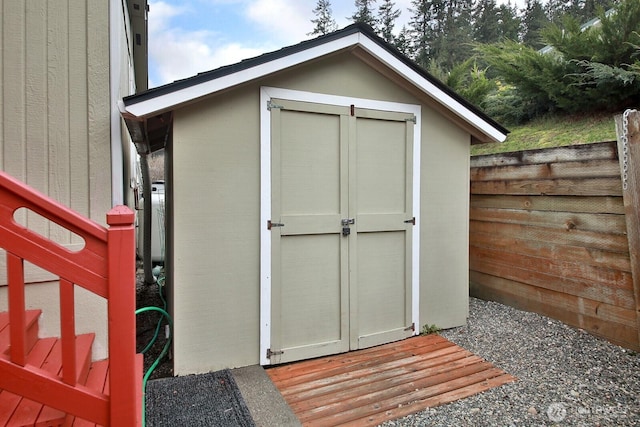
(191, 36)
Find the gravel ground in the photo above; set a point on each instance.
(566, 377)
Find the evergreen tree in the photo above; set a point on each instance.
(508, 22)
(454, 44)
(424, 14)
(364, 12)
(588, 69)
(555, 10)
(402, 42)
(441, 32)
(324, 22)
(534, 21)
(486, 25)
(387, 16)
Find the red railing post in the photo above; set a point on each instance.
(122, 322)
(17, 314)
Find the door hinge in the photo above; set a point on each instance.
(273, 353)
(412, 119)
(411, 328)
(411, 221)
(271, 104)
(274, 224)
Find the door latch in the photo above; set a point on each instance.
(346, 230)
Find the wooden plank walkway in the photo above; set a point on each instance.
(368, 387)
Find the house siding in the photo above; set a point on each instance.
(55, 133)
(216, 218)
(55, 104)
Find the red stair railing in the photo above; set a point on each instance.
(106, 267)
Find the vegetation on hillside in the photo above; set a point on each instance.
(554, 131)
(557, 58)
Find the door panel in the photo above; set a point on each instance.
(309, 264)
(381, 166)
(310, 293)
(380, 286)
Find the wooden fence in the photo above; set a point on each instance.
(555, 231)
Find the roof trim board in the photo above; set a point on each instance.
(173, 95)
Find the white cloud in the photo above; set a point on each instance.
(176, 53)
(287, 21)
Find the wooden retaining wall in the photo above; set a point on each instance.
(548, 233)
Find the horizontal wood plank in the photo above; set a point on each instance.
(588, 239)
(555, 187)
(540, 248)
(568, 221)
(597, 151)
(576, 204)
(567, 170)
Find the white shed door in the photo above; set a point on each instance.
(341, 228)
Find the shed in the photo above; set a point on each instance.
(317, 201)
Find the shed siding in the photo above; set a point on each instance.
(55, 110)
(444, 240)
(216, 168)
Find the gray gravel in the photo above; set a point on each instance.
(566, 377)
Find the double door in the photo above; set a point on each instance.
(341, 228)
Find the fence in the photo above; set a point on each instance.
(555, 231)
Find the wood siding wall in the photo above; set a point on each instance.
(548, 234)
(55, 105)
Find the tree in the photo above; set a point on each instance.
(364, 13)
(486, 25)
(555, 10)
(441, 31)
(424, 13)
(587, 70)
(534, 21)
(508, 22)
(454, 44)
(402, 42)
(324, 22)
(387, 16)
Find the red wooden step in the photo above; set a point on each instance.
(45, 354)
(98, 380)
(83, 362)
(32, 329)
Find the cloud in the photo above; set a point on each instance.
(288, 21)
(176, 53)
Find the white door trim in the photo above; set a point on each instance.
(266, 93)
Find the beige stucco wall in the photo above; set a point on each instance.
(216, 207)
(55, 131)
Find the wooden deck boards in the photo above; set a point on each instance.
(368, 387)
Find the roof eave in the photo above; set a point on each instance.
(169, 97)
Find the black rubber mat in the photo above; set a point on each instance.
(211, 399)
